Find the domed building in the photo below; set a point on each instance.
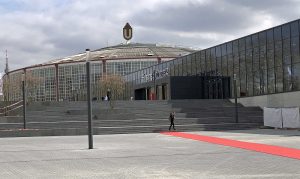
(65, 78)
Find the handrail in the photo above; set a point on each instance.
(11, 107)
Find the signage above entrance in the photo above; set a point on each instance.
(156, 74)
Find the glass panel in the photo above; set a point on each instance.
(242, 45)
(296, 76)
(243, 73)
(224, 60)
(207, 60)
(277, 33)
(249, 60)
(249, 84)
(255, 40)
(213, 59)
(294, 29)
(256, 83)
(249, 72)
(248, 42)
(194, 64)
(218, 51)
(256, 54)
(287, 75)
(223, 49)
(224, 65)
(269, 36)
(171, 70)
(262, 57)
(219, 64)
(235, 46)
(236, 63)
(286, 31)
(271, 81)
(218, 59)
(286, 52)
(184, 66)
(202, 61)
(229, 47)
(230, 64)
(295, 49)
(270, 55)
(278, 53)
(189, 65)
(279, 79)
(262, 38)
(263, 81)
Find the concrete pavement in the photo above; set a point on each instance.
(150, 155)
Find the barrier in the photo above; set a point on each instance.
(273, 117)
(282, 117)
(290, 117)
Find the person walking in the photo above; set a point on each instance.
(108, 94)
(171, 119)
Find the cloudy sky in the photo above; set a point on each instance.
(36, 31)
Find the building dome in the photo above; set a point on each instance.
(127, 51)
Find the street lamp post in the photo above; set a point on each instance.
(24, 100)
(89, 100)
(154, 81)
(235, 99)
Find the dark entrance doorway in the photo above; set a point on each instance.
(140, 94)
(164, 90)
(216, 87)
(199, 87)
(148, 94)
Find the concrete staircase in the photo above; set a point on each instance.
(70, 118)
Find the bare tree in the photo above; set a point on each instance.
(5, 87)
(115, 84)
(12, 87)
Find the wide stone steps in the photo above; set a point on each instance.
(70, 118)
(122, 123)
(123, 130)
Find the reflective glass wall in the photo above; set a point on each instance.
(266, 62)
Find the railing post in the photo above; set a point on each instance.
(89, 100)
(235, 99)
(24, 101)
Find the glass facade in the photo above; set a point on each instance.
(72, 81)
(266, 62)
(67, 81)
(41, 84)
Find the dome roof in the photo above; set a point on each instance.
(128, 51)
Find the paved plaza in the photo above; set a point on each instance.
(151, 155)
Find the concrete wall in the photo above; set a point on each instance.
(290, 99)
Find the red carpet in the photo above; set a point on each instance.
(263, 148)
